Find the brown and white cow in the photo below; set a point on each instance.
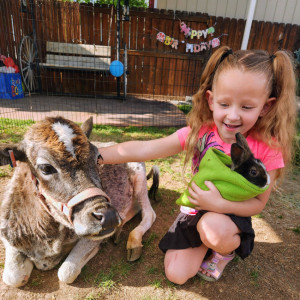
(60, 201)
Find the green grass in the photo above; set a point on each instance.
(259, 216)
(105, 280)
(13, 130)
(122, 134)
(296, 229)
(254, 276)
(153, 270)
(156, 283)
(3, 173)
(185, 108)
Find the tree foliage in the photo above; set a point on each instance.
(132, 3)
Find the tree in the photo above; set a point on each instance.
(132, 3)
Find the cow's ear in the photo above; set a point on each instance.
(7, 158)
(87, 126)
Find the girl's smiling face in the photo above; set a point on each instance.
(237, 100)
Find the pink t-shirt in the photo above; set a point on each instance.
(271, 158)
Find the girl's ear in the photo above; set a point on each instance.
(209, 98)
(267, 106)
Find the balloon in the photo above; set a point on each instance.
(116, 68)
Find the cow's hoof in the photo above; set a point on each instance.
(134, 253)
(15, 282)
(18, 277)
(68, 273)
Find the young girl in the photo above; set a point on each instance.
(244, 91)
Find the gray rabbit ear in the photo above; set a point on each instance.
(240, 153)
(242, 142)
(236, 154)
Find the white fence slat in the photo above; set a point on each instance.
(231, 9)
(270, 10)
(211, 7)
(221, 8)
(191, 5)
(201, 6)
(260, 10)
(296, 16)
(242, 8)
(281, 11)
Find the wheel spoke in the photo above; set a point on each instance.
(24, 61)
(26, 50)
(31, 51)
(26, 68)
(28, 54)
(34, 81)
(25, 77)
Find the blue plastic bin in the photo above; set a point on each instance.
(11, 86)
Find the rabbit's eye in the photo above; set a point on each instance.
(253, 171)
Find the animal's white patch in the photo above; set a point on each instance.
(268, 176)
(41, 161)
(65, 134)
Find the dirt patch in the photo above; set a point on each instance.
(271, 272)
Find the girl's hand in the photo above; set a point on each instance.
(210, 200)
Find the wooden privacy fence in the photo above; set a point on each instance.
(154, 69)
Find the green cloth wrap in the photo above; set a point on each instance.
(231, 185)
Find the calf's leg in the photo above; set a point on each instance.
(84, 250)
(134, 242)
(18, 267)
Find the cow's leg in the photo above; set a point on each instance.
(18, 267)
(134, 243)
(84, 250)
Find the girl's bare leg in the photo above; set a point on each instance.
(219, 233)
(181, 265)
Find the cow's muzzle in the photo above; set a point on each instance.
(109, 219)
(67, 208)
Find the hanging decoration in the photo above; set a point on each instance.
(191, 33)
(195, 48)
(167, 40)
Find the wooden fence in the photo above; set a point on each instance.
(155, 69)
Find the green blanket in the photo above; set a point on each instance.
(231, 185)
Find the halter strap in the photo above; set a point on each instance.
(12, 159)
(67, 208)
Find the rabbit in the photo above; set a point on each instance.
(244, 163)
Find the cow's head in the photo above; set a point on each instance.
(63, 166)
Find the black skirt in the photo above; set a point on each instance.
(183, 233)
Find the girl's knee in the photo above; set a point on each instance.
(181, 265)
(216, 228)
(174, 276)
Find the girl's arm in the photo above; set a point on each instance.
(212, 200)
(141, 150)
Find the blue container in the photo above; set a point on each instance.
(11, 86)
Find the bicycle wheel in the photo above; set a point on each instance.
(28, 60)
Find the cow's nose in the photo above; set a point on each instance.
(108, 217)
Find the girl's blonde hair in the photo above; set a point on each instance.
(277, 127)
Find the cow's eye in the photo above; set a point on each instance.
(47, 169)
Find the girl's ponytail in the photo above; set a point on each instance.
(284, 110)
(207, 76)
